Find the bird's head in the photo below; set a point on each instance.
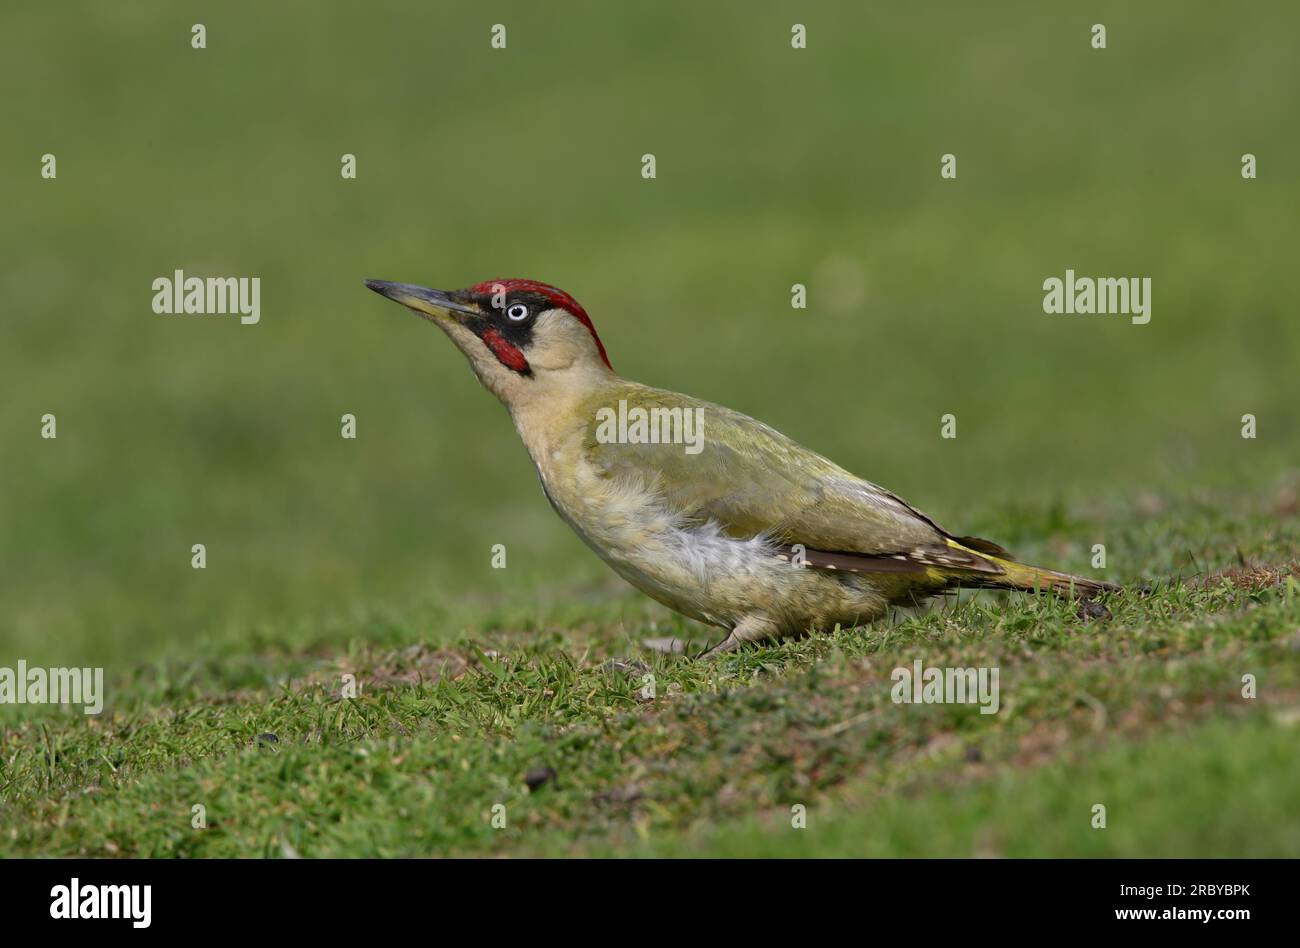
(521, 337)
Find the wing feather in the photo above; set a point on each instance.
(752, 480)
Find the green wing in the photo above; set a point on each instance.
(752, 480)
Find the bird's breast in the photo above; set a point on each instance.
(691, 566)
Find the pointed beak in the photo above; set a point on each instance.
(431, 304)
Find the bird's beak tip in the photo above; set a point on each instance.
(428, 303)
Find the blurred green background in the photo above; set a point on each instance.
(775, 166)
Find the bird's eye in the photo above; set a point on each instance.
(517, 313)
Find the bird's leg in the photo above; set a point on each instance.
(750, 629)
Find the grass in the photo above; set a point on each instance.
(372, 557)
(1143, 712)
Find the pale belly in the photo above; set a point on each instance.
(701, 572)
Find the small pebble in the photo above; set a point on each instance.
(1092, 610)
(539, 776)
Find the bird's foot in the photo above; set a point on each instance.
(750, 630)
(666, 646)
(625, 666)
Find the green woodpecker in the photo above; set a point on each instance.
(704, 509)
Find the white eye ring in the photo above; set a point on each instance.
(517, 313)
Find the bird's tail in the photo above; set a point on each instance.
(1037, 579)
(1021, 576)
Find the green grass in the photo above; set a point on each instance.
(1143, 713)
(372, 557)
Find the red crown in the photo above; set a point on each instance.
(561, 299)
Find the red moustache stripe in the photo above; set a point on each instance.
(508, 355)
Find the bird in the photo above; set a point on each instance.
(709, 511)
